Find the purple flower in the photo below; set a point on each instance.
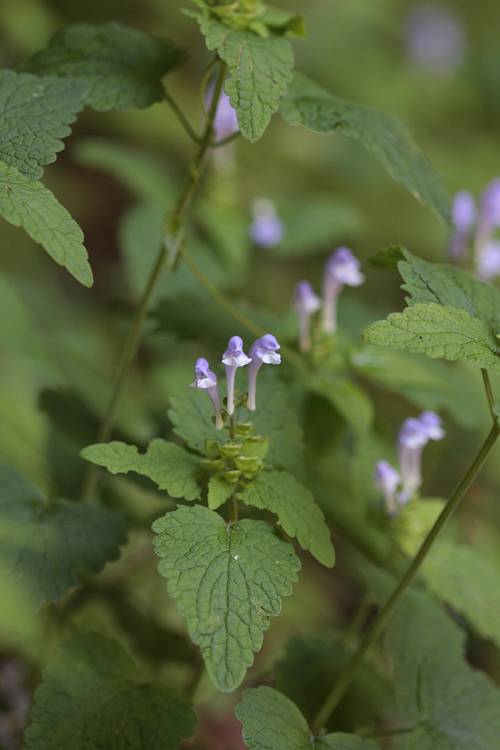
(206, 380)
(226, 120)
(435, 39)
(488, 261)
(233, 357)
(306, 302)
(463, 217)
(264, 351)
(488, 216)
(387, 480)
(413, 437)
(342, 267)
(266, 229)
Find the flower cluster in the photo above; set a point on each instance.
(264, 351)
(478, 225)
(266, 229)
(398, 487)
(342, 268)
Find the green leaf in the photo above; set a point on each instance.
(122, 67)
(92, 696)
(450, 286)
(387, 259)
(168, 465)
(35, 114)
(49, 547)
(29, 204)
(192, 420)
(384, 136)
(260, 70)
(467, 581)
(219, 492)
(228, 581)
(449, 705)
(437, 332)
(309, 668)
(281, 21)
(272, 722)
(414, 521)
(141, 173)
(297, 511)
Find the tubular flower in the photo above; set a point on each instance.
(206, 380)
(413, 437)
(226, 120)
(264, 351)
(233, 357)
(342, 268)
(306, 302)
(266, 229)
(387, 480)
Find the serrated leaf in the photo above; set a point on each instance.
(48, 548)
(92, 696)
(219, 492)
(384, 136)
(450, 286)
(466, 580)
(260, 71)
(437, 332)
(35, 114)
(297, 511)
(445, 704)
(122, 67)
(227, 580)
(388, 258)
(141, 173)
(29, 204)
(168, 465)
(192, 420)
(272, 722)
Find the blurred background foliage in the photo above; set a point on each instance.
(59, 343)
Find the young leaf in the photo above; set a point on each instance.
(468, 582)
(260, 70)
(384, 136)
(35, 114)
(29, 204)
(228, 581)
(450, 286)
(219, 492)
(297, 511)
(168, 465)
(272, 722)
(48, 547)
(92, 696)
(437, 331)
(274, 419)
(122, 67)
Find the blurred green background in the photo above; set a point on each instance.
(59, 342)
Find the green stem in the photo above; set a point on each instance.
(333, 698)
(134, 337)
(181, 117)
(489, 395)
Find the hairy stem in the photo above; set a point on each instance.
(336, 694)
(134, 337)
